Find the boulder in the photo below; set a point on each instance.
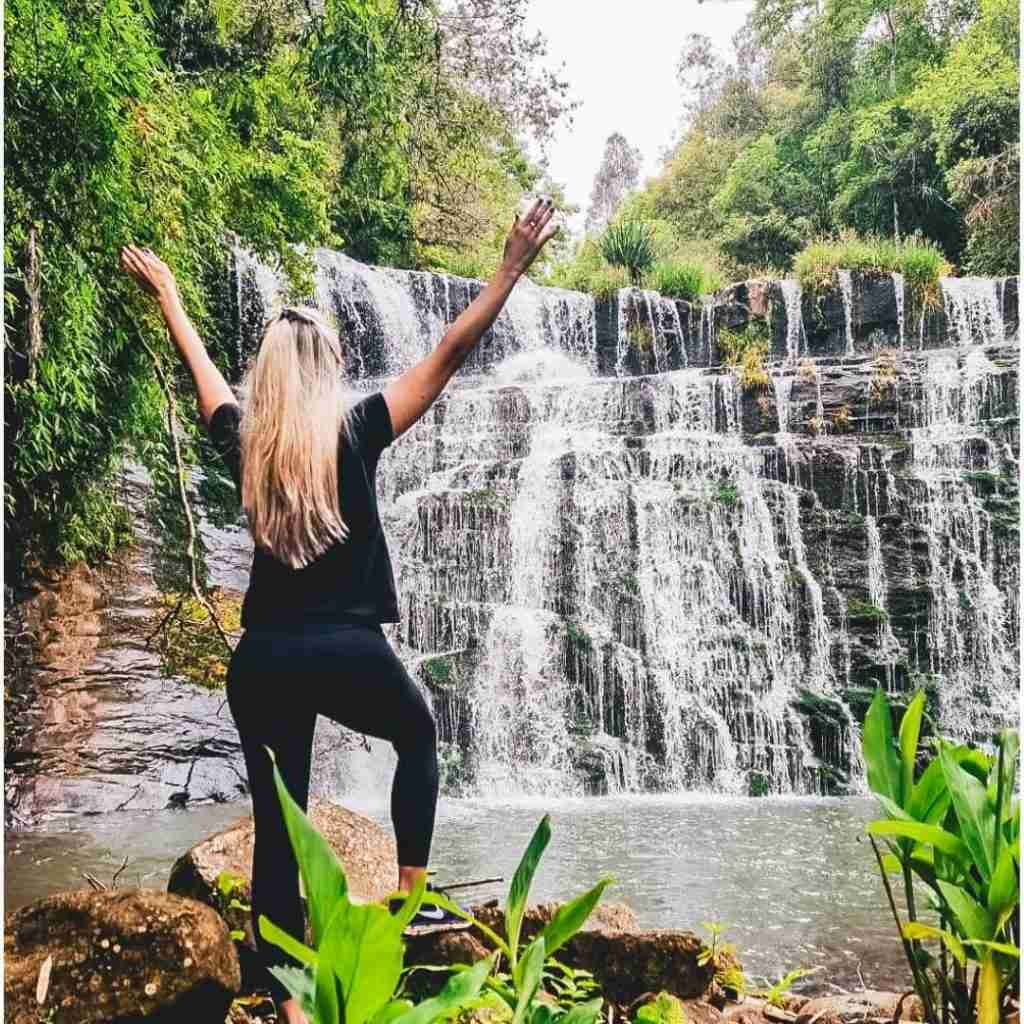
(858, 1007)
(120, 955)
(366, 851)
(626, 962)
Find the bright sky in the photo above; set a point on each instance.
(620, 59)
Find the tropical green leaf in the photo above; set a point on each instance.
(582, 1013)
(910, 729)
(918, 930)
(526, 978)
(327, 996)
(931, 834)
(364, 947)
(1004, 889)
(929, 799)
(893, 809)
(390, 1012)
(973, 813)
(571, 916)
(435, 898)
(322, 874)
(883, 766)
(998, 947)
(283, 940)
(411, 903)
(460, 988)
(975, 921)
(520, 887)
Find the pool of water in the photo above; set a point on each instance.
(790, 880)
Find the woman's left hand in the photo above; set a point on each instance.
(528, 236)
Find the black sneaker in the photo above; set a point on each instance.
(429, 919)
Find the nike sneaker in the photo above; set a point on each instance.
(429, 919)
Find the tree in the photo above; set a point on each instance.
(617, 176)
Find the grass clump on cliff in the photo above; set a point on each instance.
(919, 260)
(864, 611)
(744, 352)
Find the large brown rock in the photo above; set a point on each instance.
(860, 1007)
(366, 851)
(124, 955)
(626, 962)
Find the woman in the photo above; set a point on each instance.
(304, 457)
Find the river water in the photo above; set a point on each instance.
(789, 879)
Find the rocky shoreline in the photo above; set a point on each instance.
(117, 955)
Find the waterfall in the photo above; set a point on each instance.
(846, 289)
(899, 291)
(606, 586)
(792, 294)
(974, 309)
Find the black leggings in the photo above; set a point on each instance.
(278, 682)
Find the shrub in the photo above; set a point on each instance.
(883, 375)
(955, 829)
(841, 420)
(745, 351)
(679, 280)
(919, 260)
(864, 611)
(629, 245)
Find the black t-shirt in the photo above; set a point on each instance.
(352, 580)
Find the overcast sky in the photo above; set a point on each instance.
(620, 59)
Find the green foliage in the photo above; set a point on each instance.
(842, 115)
(745, 352)
(228, 884)
(721, 956)
(920, 262)
(191, 127)
(727, 494)
(629, 244)
(773, 995)
(864, 611)
(681, 280)
(353, 970)
(955, 830)
(189, 644)
(665, 1008)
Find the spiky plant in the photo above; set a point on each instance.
(630, 245)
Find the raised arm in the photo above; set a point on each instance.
(409, 397)
(154, 277)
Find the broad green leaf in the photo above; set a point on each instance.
(999, 947)
(665, 1009)
(412, 902)
(892, 808)
(975, 920)
(1004, 889)
(322, 874)
(529, 974)
(300, 984)
(931, 834)
(917, 930)
(571, 916)
(583, 1013)
(364, 947)
(459, 990)
(390, 1012)
(327, 997)
(910, 729)
(283, 940)
(520, 887)
(929, 799)
(973, 813)
(879, 753)
(891, 864)
(990, 986)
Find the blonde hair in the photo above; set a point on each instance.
(297, 405)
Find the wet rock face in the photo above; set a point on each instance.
(366, 851)
(118, 956)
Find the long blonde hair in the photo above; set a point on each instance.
(297, 405)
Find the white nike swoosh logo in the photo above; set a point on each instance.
(437, 914)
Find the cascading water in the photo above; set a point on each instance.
(974, 309)
(606, 587)
(845, 279)
(899, 291)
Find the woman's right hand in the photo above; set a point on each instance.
(528, 235)
(151, 274)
